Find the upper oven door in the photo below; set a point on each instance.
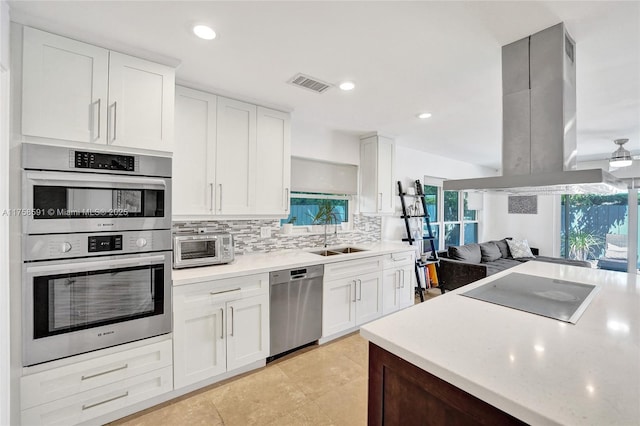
(60, 202)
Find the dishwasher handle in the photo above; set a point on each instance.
(298, 277)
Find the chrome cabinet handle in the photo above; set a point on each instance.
(221, 324)
(360, 292)
(211, 200)
(104, 372)
(398, 279)
(286, 199)
(99, 118)
(354, 290)
(220, 190)
(232, 323)
(379, 200)
(402, 270)
(86, 407)
(225, 291)
(115, 120)
(98, 103)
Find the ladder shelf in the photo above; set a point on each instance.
(406, 216)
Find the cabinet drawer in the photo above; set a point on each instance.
(51, 385)
(398, 259)
(348, 268)
(193, 296)
(100, 401)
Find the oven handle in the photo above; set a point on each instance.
(106, 181)
(97, 265)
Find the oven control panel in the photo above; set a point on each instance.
(104, 161)
(65, 246)
(105, 243)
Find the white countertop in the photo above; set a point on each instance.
(540, 370)
(248, 264)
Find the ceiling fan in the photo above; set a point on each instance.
(621, 157)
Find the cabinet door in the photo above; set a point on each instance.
(377, 185)
(194, 153)
(247, 331)
(273, 166)
(407, 286)
(64, 88)
(235, 157)
(386, 193)
(141, 103)
(368, 297)
(368, 175)
(199, 344)
(338, 306)
(391, 279)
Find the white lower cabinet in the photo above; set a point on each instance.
(339, 306)
(398, 281)
(219, 326)
(88, 389)
(352, 294)
(199, 344)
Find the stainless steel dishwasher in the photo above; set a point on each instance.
(296, 307)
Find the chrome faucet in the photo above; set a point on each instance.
(335, 227)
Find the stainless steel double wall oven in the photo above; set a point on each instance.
(97, 250)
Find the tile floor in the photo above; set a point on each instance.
(317, 385)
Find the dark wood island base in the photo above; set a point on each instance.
(402, 394)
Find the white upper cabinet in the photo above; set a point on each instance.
(64, 88)
(231, 158)
(140, 112)
(78, 92)
(236, 157)
(194, 153)
(274, 161)
(377, 186)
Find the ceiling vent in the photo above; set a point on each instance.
(309, 83)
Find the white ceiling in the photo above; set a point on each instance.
(405, 58)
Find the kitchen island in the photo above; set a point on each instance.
(479, 360)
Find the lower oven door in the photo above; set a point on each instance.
(80, 305)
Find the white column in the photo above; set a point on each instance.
(632, 237)
(5, 335)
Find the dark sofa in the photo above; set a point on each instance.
(462, 265)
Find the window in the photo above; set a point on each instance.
(449, 210)
(305, 208)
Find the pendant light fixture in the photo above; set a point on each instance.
(620, 157)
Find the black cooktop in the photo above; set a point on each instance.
(549, 297)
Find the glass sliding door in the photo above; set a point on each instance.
(596, 228)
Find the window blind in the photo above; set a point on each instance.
(309, 175)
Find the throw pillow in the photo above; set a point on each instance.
(504, 248)
(490, 252)
(615, 252)
(519, 249)
(467, 253)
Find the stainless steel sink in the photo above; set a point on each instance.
(326, 252)
(348, 250)
(339, 250)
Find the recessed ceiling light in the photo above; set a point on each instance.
(347, 85)
(424, 115)
(204, 32)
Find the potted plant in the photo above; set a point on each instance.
(581, 244)
(325, 215)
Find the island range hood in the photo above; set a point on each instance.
(539, 123)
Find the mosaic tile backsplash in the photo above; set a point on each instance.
(247, 239)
